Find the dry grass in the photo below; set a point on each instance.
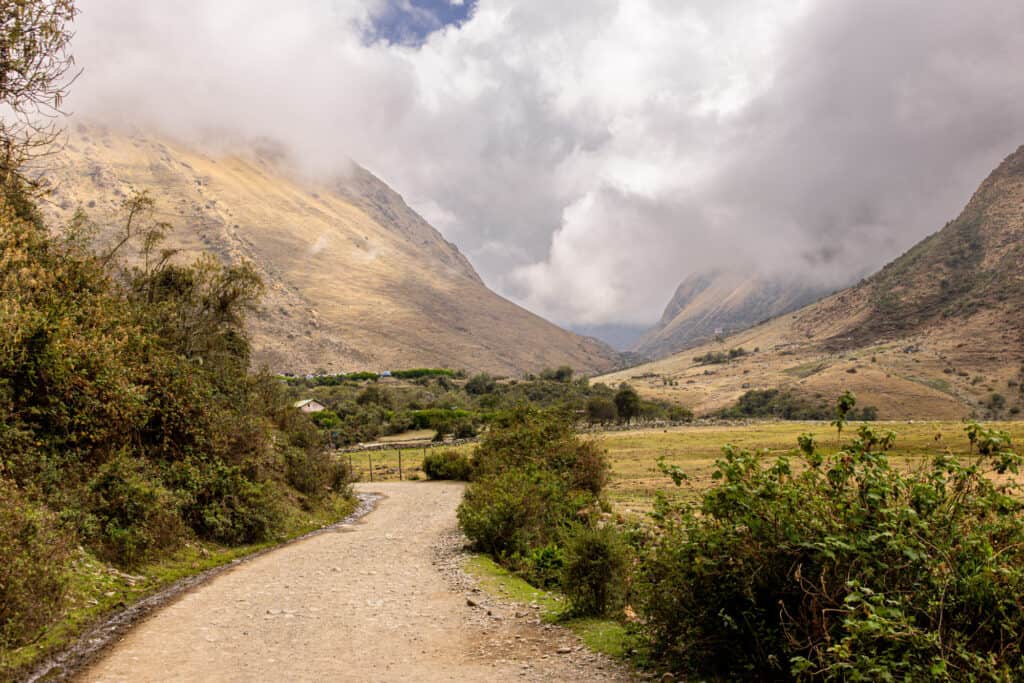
(634, 455)
(385, 463)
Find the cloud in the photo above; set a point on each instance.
(588, 157)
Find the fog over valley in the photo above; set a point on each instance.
(586, 163)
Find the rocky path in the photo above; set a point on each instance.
(380, 600)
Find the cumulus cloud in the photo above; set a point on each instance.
(588, 157)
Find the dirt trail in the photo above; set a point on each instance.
(380, 600)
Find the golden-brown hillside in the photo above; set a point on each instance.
(355, 278)
(708, 305)
(935, 333)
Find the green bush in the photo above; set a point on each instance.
(594, 570)
(533, 479)
(843, 567)
(222, 504)
(509, 514)
(135, 516)
(35, 554)
(777, 403)
(544, 566)
(316, 473)
(447, 464)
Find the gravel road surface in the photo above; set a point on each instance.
(380, 600)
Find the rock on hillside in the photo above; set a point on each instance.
(355, 278)
(939, 332)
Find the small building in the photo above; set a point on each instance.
(309, 405)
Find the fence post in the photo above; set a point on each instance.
(400, 477)
(369, 459)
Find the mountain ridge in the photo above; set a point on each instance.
(355, 279)
(938, 332)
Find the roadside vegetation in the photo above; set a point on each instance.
(832, 559)
(131, 429)
(364, 407)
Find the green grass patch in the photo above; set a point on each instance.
(936, 383)
(807, 369)
(606, 636)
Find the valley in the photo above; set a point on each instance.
(938, 333)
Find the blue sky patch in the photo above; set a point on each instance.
(410, 22)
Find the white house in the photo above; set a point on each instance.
(309, 405)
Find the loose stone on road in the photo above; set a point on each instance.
(380, 600)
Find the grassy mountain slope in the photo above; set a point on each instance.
(356, 279)
(707, 305)
(935, 333)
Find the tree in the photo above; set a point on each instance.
(601, 409)
(480, 384)
(563, 373)
(627, 402)
(35, 73)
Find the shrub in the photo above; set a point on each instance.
(843, 567)
(135, 515)
(544, 566)
(510, 513)
(594, 570)
(222, 504)
(718, 357)
(481, 384)
(35, 554)
(601, 409)
(447, 464)
(777, 403)
(316, 473)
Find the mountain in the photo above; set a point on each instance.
(355, 278)
(717, 303)
(938, 332)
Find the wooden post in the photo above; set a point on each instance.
(369, 459)
(351, 469)
(400, 477)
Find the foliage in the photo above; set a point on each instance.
(719, 357)
(481, 384)
(594, 570)
(601, 410)
(562, 373)
(777, 403)
(37, 69)
(532, 479)
(134, 514)
(35, 552)
(126, 401)
(447, 464)
(535, 440)
(841, 566)
(627, 402)
(415, 373)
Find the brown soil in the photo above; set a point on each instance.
(380, 600)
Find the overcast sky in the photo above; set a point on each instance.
(587, 156)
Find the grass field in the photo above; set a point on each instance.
(385, 463)
(634, 454)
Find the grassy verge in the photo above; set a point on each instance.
(97, 589)
(601, 635)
